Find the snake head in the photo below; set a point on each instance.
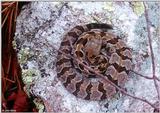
(93, 45)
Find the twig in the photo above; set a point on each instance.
(10, 23)
(152, 54)
(9, 5)
(16, 12)
(107, 80)
(6, 17)
(3, 81)
(61, 8)
(6, 3)
(103, 77)
(110, 82)
(150, 78)
(8, 80)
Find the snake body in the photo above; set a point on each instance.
(104, 52)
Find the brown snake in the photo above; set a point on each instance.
(102, 51)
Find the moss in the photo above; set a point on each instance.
(24, 55)
(28, 75)
(39, 105)
(138, 8)
(109, 6)
(14, 45)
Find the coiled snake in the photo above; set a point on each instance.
(102, 51)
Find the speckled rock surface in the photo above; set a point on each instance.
(40, 29)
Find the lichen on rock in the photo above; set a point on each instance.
(40, 29)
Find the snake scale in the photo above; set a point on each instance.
(95, 47)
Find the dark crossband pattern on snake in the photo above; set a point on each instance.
(98, 49)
